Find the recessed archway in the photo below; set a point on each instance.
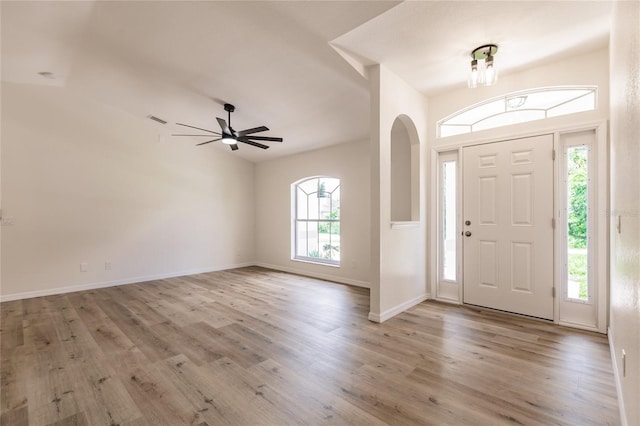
(405, 170)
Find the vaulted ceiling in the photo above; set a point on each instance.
(275, 61)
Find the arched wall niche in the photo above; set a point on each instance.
(405, 170)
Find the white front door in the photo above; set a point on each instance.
(507, 226)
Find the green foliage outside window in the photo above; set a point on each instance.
(577, 197)
(577, 229)
(323, 227)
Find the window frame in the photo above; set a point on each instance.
(506, 109)
(590, 199)
(296, 221)
(447, 289)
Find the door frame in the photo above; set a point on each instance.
(602, 199)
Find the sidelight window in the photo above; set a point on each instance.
(447, 232)
(577, 226)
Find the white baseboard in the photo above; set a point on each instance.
(616, 375)
(321, 276)
(398, 309)
(123, 281)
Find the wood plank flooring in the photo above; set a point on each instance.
(253, 346)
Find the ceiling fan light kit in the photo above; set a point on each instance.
(483, 71)
(231, 137)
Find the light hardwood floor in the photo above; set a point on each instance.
(257, 347)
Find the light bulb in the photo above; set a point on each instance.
(228, 140)
(490, 72)
(473, 77)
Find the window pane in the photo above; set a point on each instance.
(478, 113)
(550, 98)
(301, 238)
(312, 242)
(577, 224)
(309, 186)
(511, 117)
(585, 103)
(446, 130)
(324, 240)
(329, 184)
(335, 204)
(301, 199)
(335, 241)
(449, 220)
(313, 205)
(325, 206)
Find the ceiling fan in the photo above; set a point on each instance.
(232, 137)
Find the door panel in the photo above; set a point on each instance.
(508, 200)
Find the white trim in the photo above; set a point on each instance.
(123, 281)
(449, 300)
(469, 139)
(443, 157)
(599, 244)
(405, 224)
(314, 262)
(326, 277)
(382, 317)
(578, 325)
(616, 375)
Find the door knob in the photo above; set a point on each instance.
(467, 234)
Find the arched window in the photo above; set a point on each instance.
(519, 107)
(316, 212)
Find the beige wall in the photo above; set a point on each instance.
(83, 182)
(625, 203)
(398, 257)
(350, 163)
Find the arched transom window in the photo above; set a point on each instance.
(519, 107)
(317, 220)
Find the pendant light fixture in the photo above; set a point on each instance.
(483, 71)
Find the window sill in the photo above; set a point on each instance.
(405, 224)
(315, 262)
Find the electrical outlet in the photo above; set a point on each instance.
(107, 266)
(84, 267)
(624, 363)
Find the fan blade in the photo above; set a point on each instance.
(212, 140)
(254, 130)
(208, 136)
(194, 127)
(248, 142)
(263, 138)
(223, 124)
(234, 147)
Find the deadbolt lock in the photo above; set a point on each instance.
(467, 222)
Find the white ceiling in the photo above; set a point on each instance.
(273, 60)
